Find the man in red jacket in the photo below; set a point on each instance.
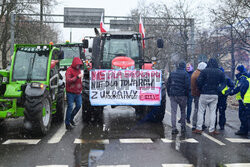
(74, 90)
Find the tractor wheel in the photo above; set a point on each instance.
(38, 114)
(157, 112)
(60, 106)
(90, 113)
(1, 121)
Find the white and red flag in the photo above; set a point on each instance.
(142, 31)
(102, 26)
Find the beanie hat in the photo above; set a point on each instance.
(201, 66)
(241, 69)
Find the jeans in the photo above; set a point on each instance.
(242, 116)
(175, 101)
(189, 106)
(209, 101)
(221, 106)
(71, 98)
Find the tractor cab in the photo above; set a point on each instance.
(71, 50)
(124, 49)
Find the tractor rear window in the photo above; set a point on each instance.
(71, 52)
(30, 65)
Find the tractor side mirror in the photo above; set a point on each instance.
(160, 43)
(85, 43)
(61, 55)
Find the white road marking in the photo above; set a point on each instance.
(204, 134)
(113, 165)
(237, 140)
(52, 166)
(129, 141)
(22, 141)
(56, 138)
(190, 140)
(166, 141)
(213, 139)
(238, 165)
(81, 141)
(177, 165)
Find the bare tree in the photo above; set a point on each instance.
(18, 7)
(233, 18)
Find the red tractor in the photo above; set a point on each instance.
(120, 51)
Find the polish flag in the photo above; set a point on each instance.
(102, 26)
(142, 31)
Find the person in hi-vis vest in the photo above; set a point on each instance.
(241, 77)
(222, 100)
(245, 95)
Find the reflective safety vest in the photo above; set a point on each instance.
(247, 95)
(238, 95)
(224, 90)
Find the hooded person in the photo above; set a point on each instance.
(241, 78)
(196, 93)
(208, 83)
(177, 89)
(73, 91)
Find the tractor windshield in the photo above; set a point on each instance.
(120, 47)
(71, 52)
(30, 64)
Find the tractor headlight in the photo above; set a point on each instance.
(37, 85)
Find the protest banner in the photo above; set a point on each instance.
(125, 87)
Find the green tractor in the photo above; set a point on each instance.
(33, 87)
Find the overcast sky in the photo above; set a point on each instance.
(112, 8)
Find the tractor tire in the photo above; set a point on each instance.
(157, 113)
(96, 53)
(60, 106)
(38, 114)
(90, 113)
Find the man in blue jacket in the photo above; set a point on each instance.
(177, 89)
(241, 77)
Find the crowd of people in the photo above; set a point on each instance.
(208, 87)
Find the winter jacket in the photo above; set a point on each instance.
(227, 83)
(244, 88)
(178, 82)
(240, 79)
(189, 75)
(210, 78)
(194, 88)
(73, 83)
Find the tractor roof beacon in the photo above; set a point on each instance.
(108, 51)
(33, 88)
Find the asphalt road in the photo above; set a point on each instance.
(122, 141)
